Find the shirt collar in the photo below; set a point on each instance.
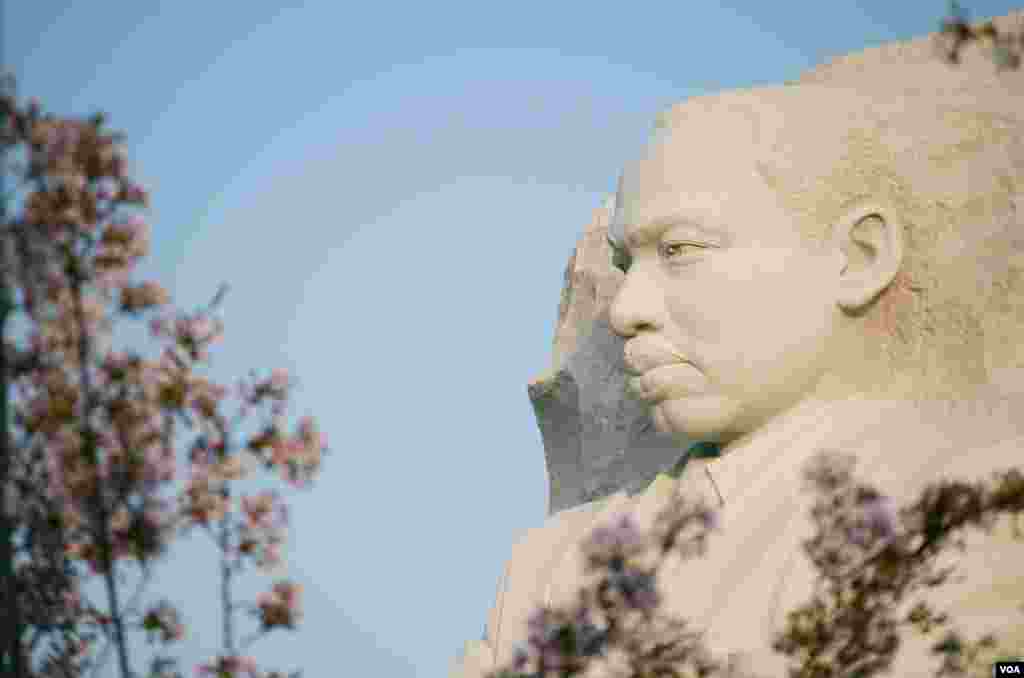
(788, 441)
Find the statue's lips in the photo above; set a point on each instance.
(676, 380)
(645, 353)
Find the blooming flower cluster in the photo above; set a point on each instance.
(615, 626)
(262, 534)
(298, 456)
(230, 666)
(88, 467)
(870, 558)
(281, 606)
(163, 622)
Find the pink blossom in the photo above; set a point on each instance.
(129, 237)
(118, 164)
(106, 188)
(200, 456)
(116, 362)
(281, 606)
(159, 463)
(156, 518)
(134, 193)
(311, 435)
(55, 475)
(259, 510)
(299, 457)
(284, 451)
(159, 326)
(72, 599)
(121, 520)
(147, 295)
(195, 334)
(233, 666)
(112, 277)
(164, 621)
(230, 468)
(198, 328)
(61, 141)
(279, 379)
(271, 555)
(168, 363)
(204, 502)
(205, 397)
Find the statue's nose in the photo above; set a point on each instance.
(636, 307)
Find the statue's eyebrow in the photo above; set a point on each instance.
(641, 235)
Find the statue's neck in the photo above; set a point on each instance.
(787, 440)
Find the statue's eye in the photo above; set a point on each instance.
(674, 250)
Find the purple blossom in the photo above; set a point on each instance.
(106, 188)
(638, 589)
(520, 659)
(611, 545)
(880, 514)
(709, 519)
(62, 139)
(622, 535)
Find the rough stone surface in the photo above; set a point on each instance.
(597, 440)
(590, 285)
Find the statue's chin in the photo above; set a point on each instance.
(700, 417)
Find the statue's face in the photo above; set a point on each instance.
(728, 312)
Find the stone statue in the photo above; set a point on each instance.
(834, 264)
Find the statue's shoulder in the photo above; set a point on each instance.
(565, 523)
(974, 438)
(985, 594)
(535, 554)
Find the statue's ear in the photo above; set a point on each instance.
(870, 241)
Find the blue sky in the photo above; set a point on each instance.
(392, 191)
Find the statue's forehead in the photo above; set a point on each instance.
(702, 156)
(704, 194)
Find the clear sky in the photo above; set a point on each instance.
(392, 191)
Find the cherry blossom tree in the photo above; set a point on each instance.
(109, 453)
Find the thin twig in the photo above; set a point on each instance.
(101, 514)
(132, 604)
